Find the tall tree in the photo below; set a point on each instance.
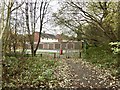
(32, 18)
(98, 14)
(118, 21)
(7, 26)
(43, 10)
(7, 10)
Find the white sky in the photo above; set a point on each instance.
(50, 28)
(54, 7)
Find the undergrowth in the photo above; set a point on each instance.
(28, 72)
(102, 57)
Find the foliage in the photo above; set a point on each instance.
(115, 47)
(28, 72)
(102, 57)
(116, 50)
(94, 21)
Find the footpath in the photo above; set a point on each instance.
(76, 73)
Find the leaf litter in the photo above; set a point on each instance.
(78, 73)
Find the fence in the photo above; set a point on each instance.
(69, 49)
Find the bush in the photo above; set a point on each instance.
(116, 50)
(12, 54)
(102, 57)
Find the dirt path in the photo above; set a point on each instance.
(78, 73)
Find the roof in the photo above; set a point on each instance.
(45, 35)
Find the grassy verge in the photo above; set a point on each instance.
(28, 72)
(102, 57)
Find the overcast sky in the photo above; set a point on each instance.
(50, 28)
(54, 6)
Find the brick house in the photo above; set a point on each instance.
(52, 42)
(45, 37)
(46, 40)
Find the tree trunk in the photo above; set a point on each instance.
(0, 50)
(118, 18)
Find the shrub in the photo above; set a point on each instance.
(116, 50)
(102, 57)
(27, 71)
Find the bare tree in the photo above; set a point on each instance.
(7, 26)
(6, 22)
(31, 21)
(43, 11)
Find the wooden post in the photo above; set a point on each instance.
(80, 54)
(41, 55)
(54, 55)
(80, 50)
(60, 49)
(66, 49)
